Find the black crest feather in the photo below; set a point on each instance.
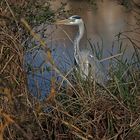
(76, 17)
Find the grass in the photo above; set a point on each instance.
(81, 109)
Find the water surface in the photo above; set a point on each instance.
(103, 22)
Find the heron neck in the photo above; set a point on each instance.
(80, 34)
(77, 40)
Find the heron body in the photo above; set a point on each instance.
(88, 64)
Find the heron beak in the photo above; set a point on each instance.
(63, 22)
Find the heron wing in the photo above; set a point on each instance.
(96, 69)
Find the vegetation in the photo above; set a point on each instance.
(81, 109)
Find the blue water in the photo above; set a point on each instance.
(40, 71)
(103, 24)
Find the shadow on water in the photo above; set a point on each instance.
(102, 26)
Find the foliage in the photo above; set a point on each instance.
(36, 12)
(81, 109)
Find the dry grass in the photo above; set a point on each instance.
(80, 110)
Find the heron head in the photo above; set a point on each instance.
(73, 20)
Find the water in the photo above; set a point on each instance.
(103, 22)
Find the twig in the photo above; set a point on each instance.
(76, 129)
(12, 13)
(111, 57)
(23, 132)
(7, 63)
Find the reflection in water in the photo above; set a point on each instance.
(102, 23)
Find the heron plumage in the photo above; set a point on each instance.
(88, 64)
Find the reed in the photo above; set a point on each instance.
(77, 109)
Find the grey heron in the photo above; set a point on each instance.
(88, 64)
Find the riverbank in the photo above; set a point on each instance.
(81, 109)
